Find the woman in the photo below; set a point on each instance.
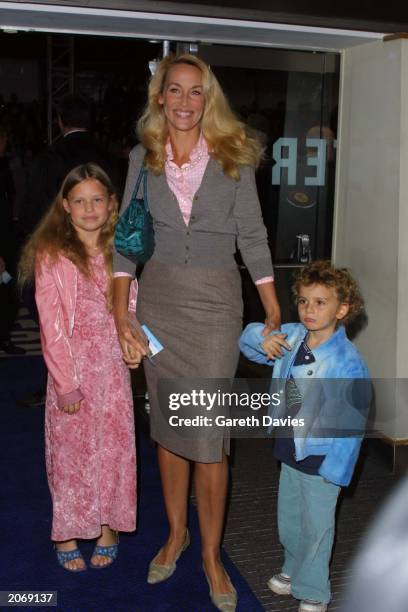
(202, 196)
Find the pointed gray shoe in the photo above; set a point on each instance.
(158, 573)
(225, 602)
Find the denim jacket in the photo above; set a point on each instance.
(336, 394)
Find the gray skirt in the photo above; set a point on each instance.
(196, 314)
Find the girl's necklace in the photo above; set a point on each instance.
(93, 250)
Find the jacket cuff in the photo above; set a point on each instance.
(122, 264)
(69, 398)
(133, 295)
(260, 269)
(265, 279)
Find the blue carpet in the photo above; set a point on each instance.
(27, 559)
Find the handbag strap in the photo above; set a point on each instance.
(142, 173)
(145, 189)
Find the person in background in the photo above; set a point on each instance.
(202, 196)
(379, 572)
(9, 301)
(76, 146)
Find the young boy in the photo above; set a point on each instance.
(316, 372)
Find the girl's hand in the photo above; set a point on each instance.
(71, 408)
(133, 340)
(273, 346)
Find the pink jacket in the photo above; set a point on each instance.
(55, 295)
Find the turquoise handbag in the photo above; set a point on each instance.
(134, 234)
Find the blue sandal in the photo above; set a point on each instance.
(105, 551)
(64, 556)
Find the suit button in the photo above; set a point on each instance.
(187, 248)
(192, 217)
(188, 233)
(309, 372)
(196, 197)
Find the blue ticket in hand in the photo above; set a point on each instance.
(154, 345)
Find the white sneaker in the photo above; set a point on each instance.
(311, 605)
(280, 584)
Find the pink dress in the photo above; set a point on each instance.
(90, 455)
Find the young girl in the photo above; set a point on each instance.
(326, 386)
(89, 428)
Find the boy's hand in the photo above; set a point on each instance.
(273, 345)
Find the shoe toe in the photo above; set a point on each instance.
(158, 573)
(225, 602)
(280, 584)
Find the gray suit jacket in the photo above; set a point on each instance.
(225, 215)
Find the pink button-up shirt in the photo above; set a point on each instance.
(184, 181)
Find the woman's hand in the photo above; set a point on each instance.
(132, 340)
(272, 320)
(71, 408)
(267, 293)
(273, 345)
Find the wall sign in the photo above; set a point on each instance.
(317, 155)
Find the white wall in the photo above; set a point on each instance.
(371, 218)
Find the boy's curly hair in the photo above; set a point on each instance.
(340, 279)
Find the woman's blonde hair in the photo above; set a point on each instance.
(226, 136)
(55, 235)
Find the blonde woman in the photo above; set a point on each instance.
(202, 196)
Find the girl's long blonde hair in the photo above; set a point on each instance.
(226, 136)
(55, 235)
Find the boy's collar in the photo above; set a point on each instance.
(338, 334)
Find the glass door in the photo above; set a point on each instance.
(290, 100)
